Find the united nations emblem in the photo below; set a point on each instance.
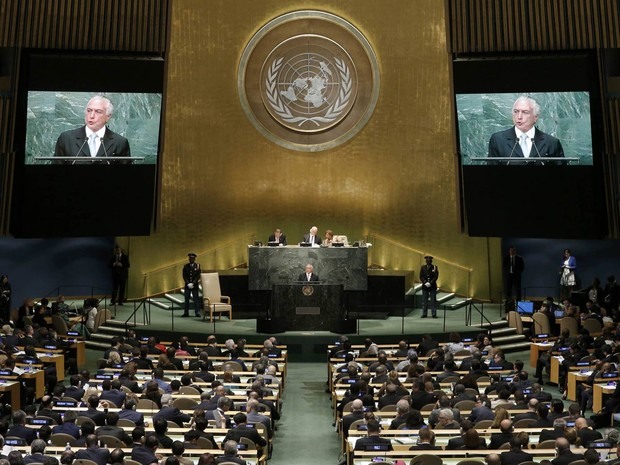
(307, 290)
(308, 80)
(309, 83)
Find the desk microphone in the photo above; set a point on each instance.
(79, 150)
(537, 152)
(512, 151)
(105, 152)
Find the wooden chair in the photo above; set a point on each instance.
(61, 439)
(541, 323)
(426, 459)
(59, 325)
(388, 408)
(593, 326)
(205, 443)
(127, 461)
(550, 444)
(82, 419)
(525, 423)
(514, 321)
(428, 407)
(111, 442)
(483, 424)
(192, 391)
(124, 422)
(102, 316)
(84, 462)
(184, 403)
(213, 300)
(465, 404)
(451, 379)
(569, 323)
(147, 404)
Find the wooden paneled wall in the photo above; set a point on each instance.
(480, 26)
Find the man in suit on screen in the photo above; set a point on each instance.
(94, 139)
(524, 141)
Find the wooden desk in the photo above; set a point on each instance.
(39, 378)
(598, 390)
(535, 349)
(56, 359)
(12, 387)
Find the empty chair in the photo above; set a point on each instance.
(189, 390)
(101, 317)
(59, 325)
(525, 423)
(213, 300)
(388, 408)
(593, 326)
(205, 443)
(550, 444)
(465, 404)
(184, 403)
(569, 323)
(124, 422)
(514, 321)
(541, 323)
(111, 442)
(82, 419)
(147, 404)
(483, 424)
(61, 439)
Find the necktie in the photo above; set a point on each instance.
(311, 239)
(523, 144)
(308, 276)
(92, 145)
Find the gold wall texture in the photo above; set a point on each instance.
(223, 183)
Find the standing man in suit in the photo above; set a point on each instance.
(311, 237)
(94, 139)
(119, 264)
(513, 267)
(191, 277)
(428, 276)
(524, 141)
(278, 237)
(309, 275)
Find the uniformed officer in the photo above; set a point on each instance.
(428, 276)
(191, 276)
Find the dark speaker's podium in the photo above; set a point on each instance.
(308, 306)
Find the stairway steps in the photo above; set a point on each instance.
(494, 324)
(499, 341)
(102, 346)
(495, 333)
(516, 347)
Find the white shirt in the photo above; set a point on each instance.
(528, 142)
(100, 133)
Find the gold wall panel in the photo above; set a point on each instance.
(223, 182)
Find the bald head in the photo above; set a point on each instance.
(562, 444)
(505, 425)
(357, 405)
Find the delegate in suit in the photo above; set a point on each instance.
(309, 275)
(94, 139)
(524, 140)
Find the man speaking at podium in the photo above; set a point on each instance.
(309, 275)
(524, 141)
(94, 139)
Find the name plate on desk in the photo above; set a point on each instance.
(308, 310)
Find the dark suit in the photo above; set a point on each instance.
(348, 420)
(144, 455)
(99, 455)
(74, 392)
(115, 431)
(281, 239)
(73, 143)
(317, 239)
(244, 431)
(21, 431)
(119, 264)
(361, 443)
(425, 446)
(172, 414)
(499, 439)
(506, 144)
(515, 457)
(136, 417)
(95, 415)
(67, 428)
(114, 395)
(566, 457)
(459, 443)
(228, 458)
(513, 268)
(304, 277)
(38, 458)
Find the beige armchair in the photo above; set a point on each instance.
(214, 301)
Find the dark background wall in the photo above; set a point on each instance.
(36, 267)
(543, 258)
